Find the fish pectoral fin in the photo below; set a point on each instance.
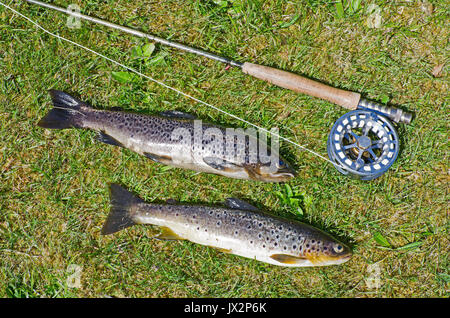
(224, 250)
(159, 159)
(220, 249)
(220, 164)
(316, 259)
(168, 234)
(287, 259)
(234, 203)
(107, 139)
(253, 172)
(177, 114)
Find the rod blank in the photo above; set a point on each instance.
(139, 33)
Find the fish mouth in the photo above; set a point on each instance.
(344, 258)
(288, 170)
(283, 174)
(347, 256)
(326, 260)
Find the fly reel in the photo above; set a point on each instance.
(363, 144)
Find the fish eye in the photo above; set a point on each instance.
(338, 248)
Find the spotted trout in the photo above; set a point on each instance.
(237, 228)
(173, 138)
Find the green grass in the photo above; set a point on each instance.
(53, 184)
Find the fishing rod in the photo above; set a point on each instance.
(363, 141)
(347, 99)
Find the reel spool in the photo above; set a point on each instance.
(364, 143)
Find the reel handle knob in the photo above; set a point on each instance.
(393, 113)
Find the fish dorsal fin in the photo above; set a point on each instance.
(234, 203)
(316, 259)
(168, 234)
(219, 164)
(287, 259)
(177, 114)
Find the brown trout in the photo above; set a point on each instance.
(239, 228)
(174, 138)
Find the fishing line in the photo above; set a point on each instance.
(171, 88)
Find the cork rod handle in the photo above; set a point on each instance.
(304, 85)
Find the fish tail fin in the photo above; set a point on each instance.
(67, 112)
(122, 202)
